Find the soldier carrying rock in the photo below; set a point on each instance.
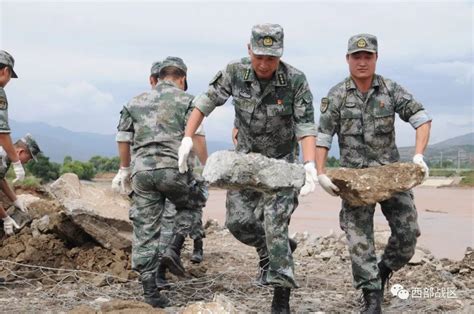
(274, 110)
(361, 111)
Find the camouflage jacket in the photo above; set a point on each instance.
(154, 123)
(4, 163)
(4, 126)
(365, 128)
(271, 120)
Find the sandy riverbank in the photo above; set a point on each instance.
(445, 216)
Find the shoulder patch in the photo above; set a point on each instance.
(324, 104)
(3, 104)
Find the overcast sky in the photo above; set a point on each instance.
(80, 62)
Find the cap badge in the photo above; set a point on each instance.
(361, 43)
(267, 41)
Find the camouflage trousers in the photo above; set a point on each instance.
(168, 221)
(358, 224)
(150, 191)
(261, 220)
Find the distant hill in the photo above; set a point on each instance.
(58, 142)
(449, 151)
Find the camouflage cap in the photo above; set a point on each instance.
(32, 145)
(177, 63)
(362, 42)
(267, 39)
(155, 68)
(174, 62)
(7, 59)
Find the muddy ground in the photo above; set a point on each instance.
(46, 273)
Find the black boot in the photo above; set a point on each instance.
(372, 301)
(385, 274)
(151, 293)
(172, 257)
(197, 251)
(293, 245)
(161, 282)
(281, 300)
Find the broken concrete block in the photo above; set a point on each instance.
(231, 170)
(375, 184)
(92, 211)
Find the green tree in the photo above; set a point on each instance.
(84, 170)
(332, 162)
(104, 164)
(44, 169)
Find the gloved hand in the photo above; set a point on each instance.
(418, 159)
(8, 224)
(19, 171)
(310, 178)
(327, 185)
(18, 203)
(121, 182)
(183, 153)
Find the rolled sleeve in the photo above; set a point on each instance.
(328, 121)
(405, 105)
(324, 140)
(204, 104)
(306, 129)
(4, 126)
(126, 122)
(419, 118)
(200, 130)
(304, 111)
(123, 136)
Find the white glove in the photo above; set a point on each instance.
(121, 182)
(8, 224)
(19, 171)
(310, 178)
(18, 203)
(183, 153)
(327, 185)
(418, 159)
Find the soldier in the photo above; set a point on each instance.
(169, 213)
(154, 122)
(361, 111)
(26, 149)
(273, 107)
(6, 73)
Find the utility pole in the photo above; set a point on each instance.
(441, 161)
(459, 159)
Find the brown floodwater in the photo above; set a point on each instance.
(445, 216)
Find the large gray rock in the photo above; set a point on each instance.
(92, 210)
(375, 184)
(231, 170)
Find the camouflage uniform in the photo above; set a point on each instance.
(154, 122)
(270, 116)
(5, 59)
(364, 125)
(4, 126)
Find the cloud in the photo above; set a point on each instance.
(79, 62)
(461, 72)
(78, 106)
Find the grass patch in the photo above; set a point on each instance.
(467, 178)
(442, 173)
(28, 182)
